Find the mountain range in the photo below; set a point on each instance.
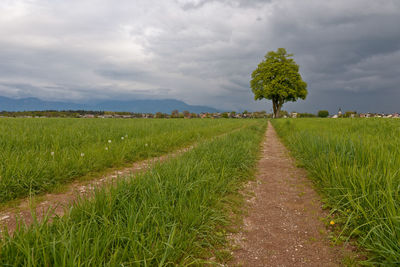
(136, 106)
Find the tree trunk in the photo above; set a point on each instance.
(277, 105)
(274, 107)
(278, 111)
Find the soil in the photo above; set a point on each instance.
(285, 222)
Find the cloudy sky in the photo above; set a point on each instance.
(200, 51)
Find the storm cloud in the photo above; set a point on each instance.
(200, 51)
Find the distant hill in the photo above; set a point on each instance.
(139, 106)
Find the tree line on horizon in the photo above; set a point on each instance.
(173, 114)
(117, 114)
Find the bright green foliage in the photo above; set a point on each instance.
(36, 155)
(277, 78)
(174, 215)
(356, 164)
(323, 113)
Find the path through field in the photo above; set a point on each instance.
(283, 226)
(54, 204)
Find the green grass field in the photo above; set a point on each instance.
(356, 165)
(175, 214)
(178, 212)
(37, 155)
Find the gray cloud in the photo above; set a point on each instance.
(200, 51)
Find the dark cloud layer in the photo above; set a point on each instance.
(200, 51)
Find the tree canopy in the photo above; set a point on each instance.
(277, 78)
(323, 113)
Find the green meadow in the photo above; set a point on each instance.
(176, 214)
(355, 163)
(179, 212)
(37, 155)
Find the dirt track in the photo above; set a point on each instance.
(283, 226)
(55, 204)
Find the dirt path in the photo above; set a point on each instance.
(55, 204)
(283, 226)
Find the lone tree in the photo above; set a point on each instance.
(277, 78)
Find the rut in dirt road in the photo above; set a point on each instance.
(55, 204)
(283, 226)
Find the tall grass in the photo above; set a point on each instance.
(172, 215)
(38, 154)
(356, 164)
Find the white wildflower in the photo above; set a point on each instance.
(82, 154)
(52, 153)
(146, 145)
(109, 141)
(122, 138)
(106, 148)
